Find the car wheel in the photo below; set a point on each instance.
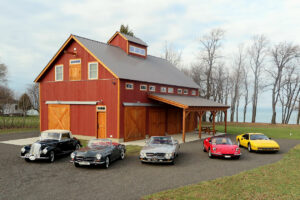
(237, 157)
(27, 160)
(51, 157)
(249, 147)
(204, 150)
(210, 154)
(76, 164)
(77, 146)
(122, 154)
(173, 161)
(239, 144)
(107, 162)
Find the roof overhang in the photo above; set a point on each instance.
(189, 102)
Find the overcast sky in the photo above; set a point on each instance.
(32, 31)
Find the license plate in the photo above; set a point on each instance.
(227, 156)
(154, 159)
(84, 163)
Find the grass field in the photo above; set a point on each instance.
(19, 122)
(280, 180)
(273, 131)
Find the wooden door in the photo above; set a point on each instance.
(157, 122)
(134, 123)
(59, 116)
(174, 121)
(190, 122)
(101, 125)
(75, 72)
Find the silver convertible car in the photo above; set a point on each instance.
(160, 149)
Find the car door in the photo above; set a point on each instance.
(65, 143)
(244, 140)
(115, 152)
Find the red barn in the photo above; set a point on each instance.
(115, 90)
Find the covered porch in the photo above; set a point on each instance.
(197, 105)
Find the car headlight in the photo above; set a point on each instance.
(214, 148)
(45, 150)
(73, 155)
(237, 149)
(143, 155)
(23, 150)
(168, 155)
(98, 156)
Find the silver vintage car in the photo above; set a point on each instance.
(160, 149)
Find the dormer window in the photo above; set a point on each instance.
(193, 92)
(185, 91)
(163, 89)
(137, 50)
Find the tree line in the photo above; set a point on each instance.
(254, 68)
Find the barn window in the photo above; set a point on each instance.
(129, 86)
(137, 50)
(93, 70)
(179, 91)
(185, 91)
(163, 89)
(75, 70)
(143, 87)
(170, 90)
(193, 92)
(59, 72)
(152, 88)
(101, 108)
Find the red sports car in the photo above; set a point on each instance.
(221, 146)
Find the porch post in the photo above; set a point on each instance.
(225, 120)
(214, 118)
(183, 125)
(200, 123)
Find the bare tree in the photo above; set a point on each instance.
(289, 93)
(282, 55)
(210, 45)
(6, 97)
(246, 91)
(3, 73)
(236, 77)
(172, 55)
(24, 103)
(33, 93)
(298, 117)
(257, 53)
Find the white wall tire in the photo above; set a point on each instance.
(107, 162)
(249, 147)
(51, 156)
(210, 154)
(77, 147)
(122, 154)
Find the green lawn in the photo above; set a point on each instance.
(19, 122)
(280, 180)
(273, 131)
(18, 130)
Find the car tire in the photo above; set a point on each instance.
(27, 160)
(237, 157)
(76, 164)
(210, 154)
(122, 154)
(107, 162)
(239, 143)
(51, 156)
(203, 148)
(249, 147)
(77, 147)
(173, 161)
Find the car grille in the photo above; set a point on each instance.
(155, 154)
(81, 158)
(35, 149)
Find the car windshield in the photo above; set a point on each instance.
(258, 137)
(99, 143)
(221, 140)
(50, 136)
(161, 140)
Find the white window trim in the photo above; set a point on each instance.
(179, 89)
(153, 87)
(89, 71)
(162, 90)
(62, 66)
(136, 52)
(141, 87)
(129, 88)
(185, 91)
(171, 89)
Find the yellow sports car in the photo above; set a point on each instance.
(257, 142)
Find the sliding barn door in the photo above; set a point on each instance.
(59, 117)
(134, 123)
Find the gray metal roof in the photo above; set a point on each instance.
(191, 101)
(134, 39)
(152, 69)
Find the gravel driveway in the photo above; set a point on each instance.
(127, 179)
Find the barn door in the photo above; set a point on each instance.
(101, 132)
(59, 116)
(157, 122)
(174, 121)
(190, 122)
(134, 123)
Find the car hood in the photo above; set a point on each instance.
(47, 142)
(264, 143)
(225, 148)
(90, 152)
(159, 148)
